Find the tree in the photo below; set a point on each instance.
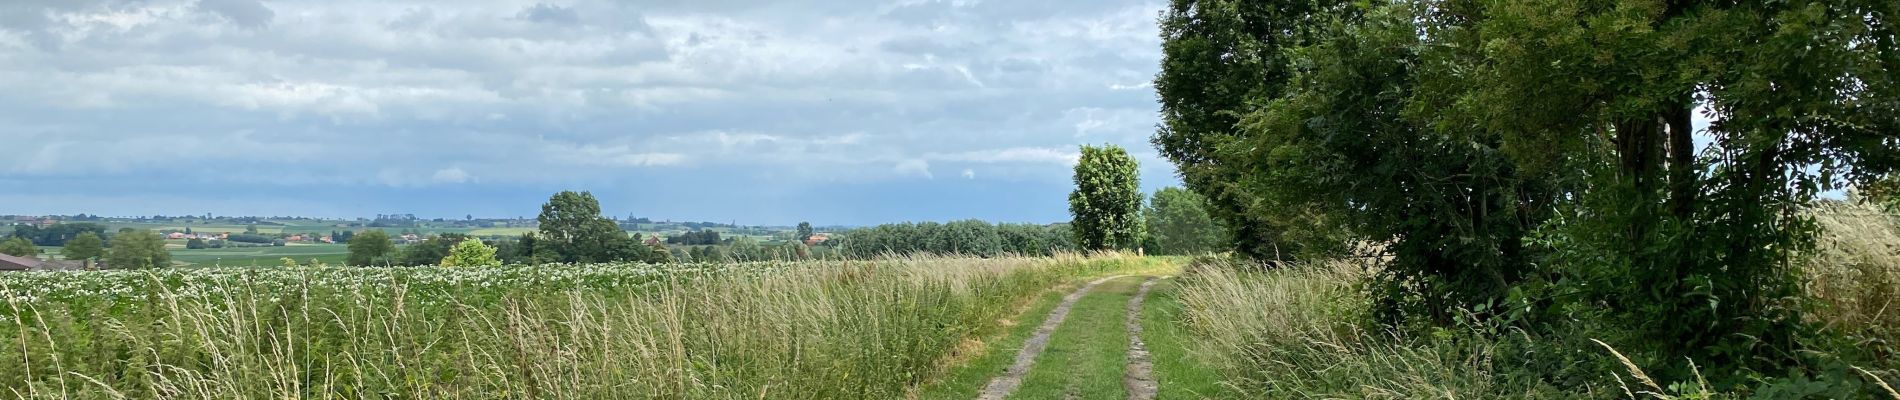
(1544, 150)
(1106, 203)
(371, 247)
(430, 251)
(1217, 56)
(19, 246)
(138, 249)
(573, 230)
(1179, 224)
(85, 247)
(195, 244)
(470, 253)
(804, 231)
(250, 229)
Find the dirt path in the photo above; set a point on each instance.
(1140, 378)
(1012, 377)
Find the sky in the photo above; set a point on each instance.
(848, 112)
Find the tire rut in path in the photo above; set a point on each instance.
(1002, 385)
(1140, 378)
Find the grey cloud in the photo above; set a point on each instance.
(844, 91)
(245, 13)
(548, 13)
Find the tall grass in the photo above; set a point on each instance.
(1854, 274)
(1300, 333)
(797, 330)
(1304, 332)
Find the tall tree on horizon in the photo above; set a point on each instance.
(1106, 203)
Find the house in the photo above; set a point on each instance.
(16, 263)
(294, 238)
(176, 236)
(817, 238)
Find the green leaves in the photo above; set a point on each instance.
(1106, 203)
(138, 249)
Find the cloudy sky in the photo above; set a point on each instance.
(764, 112)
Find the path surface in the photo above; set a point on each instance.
(1140, 378)
(1002, 385)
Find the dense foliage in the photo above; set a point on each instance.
(573, 230)
(56, 234)
(372, 247)
(1106, 203)
(1535, 163)
(967, 237)
(86, 246)
(18, 246)
(470, 253)
(138, 249)
(1178, 224)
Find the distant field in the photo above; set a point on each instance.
(516, 231)
(263, 256)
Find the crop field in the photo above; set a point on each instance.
(864, 329)
(259, 255)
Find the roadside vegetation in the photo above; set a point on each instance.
(1306, 331)
(777, 330)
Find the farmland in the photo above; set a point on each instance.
(806, 330)
(258, 255)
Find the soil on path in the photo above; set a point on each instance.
(1002, 385)
(1140, 378)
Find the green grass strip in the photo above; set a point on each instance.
(1089, 353)
(1180, 375)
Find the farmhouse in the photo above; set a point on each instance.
(817, 238)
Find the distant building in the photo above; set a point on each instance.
(817, 238)
(16, 263)
(176, 236)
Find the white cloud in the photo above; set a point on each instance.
(914, 168)
(451, 175)
(1011, 155)
(969, 173)
(614, 156)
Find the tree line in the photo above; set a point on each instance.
(1537, 164)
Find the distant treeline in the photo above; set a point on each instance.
(968, 237)
(56, 234)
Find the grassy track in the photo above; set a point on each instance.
(1180, 374)
(1087, 355)
(993, 351)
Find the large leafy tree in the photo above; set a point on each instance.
(1106, 203)
(1549, 146)
(1179, 224)
(138, 249)
(1217, 56)
(85, 247)
(573, 230)
(19, 246)
(372, 247)
(1801, 97)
